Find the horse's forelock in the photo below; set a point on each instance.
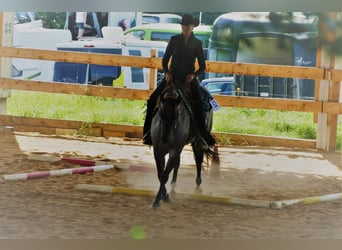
(169, 93)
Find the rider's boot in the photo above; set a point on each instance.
(147, 124)
(200, 117)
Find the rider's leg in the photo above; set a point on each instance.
(199, 114)
(151, 104)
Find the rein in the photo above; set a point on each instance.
(187, 105)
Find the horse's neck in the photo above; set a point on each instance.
(186, 99)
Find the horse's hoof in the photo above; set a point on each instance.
(198, 181)
(155, 205)
(166, 198)
(198, 190)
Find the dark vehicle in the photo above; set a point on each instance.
(266, 38)
(87, 73)
(220, 85)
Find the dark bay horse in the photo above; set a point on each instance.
(172, 128)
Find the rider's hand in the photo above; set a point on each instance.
(189, 78)
(168, 77)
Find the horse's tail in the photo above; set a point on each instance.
(212, 154)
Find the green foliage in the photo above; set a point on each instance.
(265, 122)
(53, 20)
(306, 132)
(74, 107)
(339, 142)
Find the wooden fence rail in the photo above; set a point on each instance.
(155, 63)
(138, 94)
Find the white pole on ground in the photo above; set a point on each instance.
(52, 173)
(83, 162)
(307, 200)
(201, 197)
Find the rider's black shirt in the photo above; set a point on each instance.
(183, 57)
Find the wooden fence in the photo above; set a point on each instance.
(326, 105)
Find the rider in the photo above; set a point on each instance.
(183, 50)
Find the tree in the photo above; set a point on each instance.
(53, 20)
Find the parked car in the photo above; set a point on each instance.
(28, 32)
(163, 32)
(220, 85)
(31, 19)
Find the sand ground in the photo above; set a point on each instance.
(52, 208)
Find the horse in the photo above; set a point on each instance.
(172, 128)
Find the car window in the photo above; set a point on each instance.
(214, 87)
(172, 20)
(162, 36)
(139, 34)
(204, 39)
(225, 88)
(21, 17)
(150, 19)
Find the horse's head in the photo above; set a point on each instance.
(168, 103)
(170, 93)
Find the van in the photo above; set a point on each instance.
(106, 75)
(252, 37)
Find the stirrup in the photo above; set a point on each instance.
(147, 138)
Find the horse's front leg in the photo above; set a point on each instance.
(174, 160)
(161, 195)
(160, 163)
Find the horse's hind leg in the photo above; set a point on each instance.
(174, 180)
(198, 155)
(174, 176)
(175, 173)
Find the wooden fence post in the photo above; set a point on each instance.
(153, 72)
(6, 39)
(327, 90)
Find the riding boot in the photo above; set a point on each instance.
(147, 124)
(199, 115)
(209, 139)
(151, 105)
